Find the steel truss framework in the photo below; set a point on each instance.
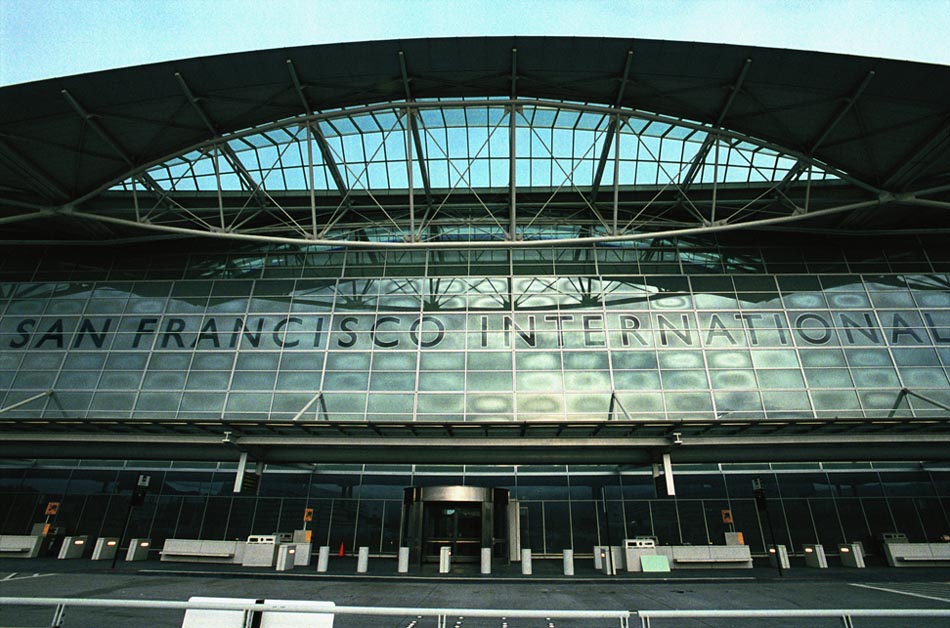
(493, 172)
(574, 151)
(349, 178)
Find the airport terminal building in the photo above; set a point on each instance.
(543, 293)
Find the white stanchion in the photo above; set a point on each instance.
(323, 559)
(525, 562)
(568, 562)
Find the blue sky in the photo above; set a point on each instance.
(48, 38)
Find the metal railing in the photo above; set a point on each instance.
(845, 615)
(619, 617)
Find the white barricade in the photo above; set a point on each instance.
(20, 545)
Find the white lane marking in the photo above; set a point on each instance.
(10, 578)
(926, 597)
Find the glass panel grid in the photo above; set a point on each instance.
(512, 335)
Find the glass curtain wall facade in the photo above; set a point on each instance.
(561, 507)
(676, 329)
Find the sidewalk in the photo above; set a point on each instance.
(544, 571)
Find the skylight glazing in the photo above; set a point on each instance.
(430, 171)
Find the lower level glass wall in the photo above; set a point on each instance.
(560, 507)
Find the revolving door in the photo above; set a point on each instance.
(463, 518)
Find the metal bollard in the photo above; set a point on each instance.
(606, 564)
(403, 566)
(525, 562)
(568, 562)
(815, 557)
(598, 559)
(323, 559)
(73, 547)
(286, 555)
(852, 555)
(138, 549)
(486, 561)
(362, 560)
(445, 560)
(105, 548)
(779, 554)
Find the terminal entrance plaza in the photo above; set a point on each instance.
(516, 301)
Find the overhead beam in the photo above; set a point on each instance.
(408, 447)
(906, 173)
(512, 151)
(664, 230)
(97, 128)
(90, 119)
(26, 401)
(328, 159)
(421, 157)
(848, 103)
(31, 171)
(700, 157)
(252, 186)
(611, 131)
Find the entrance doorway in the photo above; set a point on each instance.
(457, 526)
(466, 519)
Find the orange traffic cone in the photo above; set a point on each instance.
(340, 553)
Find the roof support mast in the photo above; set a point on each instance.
(253, 186)
(144, 177)
(411, 119)
(801, 165)
(700, 158)
(31, 170)
(907, 172)
(318, 134)
(512, 149)
(314, 131)
(612, 130)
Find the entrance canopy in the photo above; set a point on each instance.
(549, 442)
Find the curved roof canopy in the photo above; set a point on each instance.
(484, 141)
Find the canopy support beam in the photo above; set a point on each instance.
(512, 150)
(90, 119)
(18, 404)
(906, 174)
(612, 130)
(325, 151)
(413, 123)
(32, 171)
(700, 158)
(849, 102)
(253, 187)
